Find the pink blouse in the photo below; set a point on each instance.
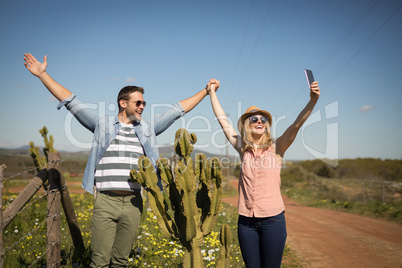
(259, 185)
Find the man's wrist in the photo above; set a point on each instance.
(41, 75)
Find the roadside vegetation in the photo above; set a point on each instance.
(25, 236)
(371, 187)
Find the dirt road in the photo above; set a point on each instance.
(326, 238)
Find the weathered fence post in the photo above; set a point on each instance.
(71, 219)
(1, 218)
(23, 198)
(53, 256)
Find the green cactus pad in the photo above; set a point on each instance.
(187, 208)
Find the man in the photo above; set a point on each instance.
(118, 143)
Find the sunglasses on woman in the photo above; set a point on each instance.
(254, 119)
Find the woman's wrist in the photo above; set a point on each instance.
(314, 99)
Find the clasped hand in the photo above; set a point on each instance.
(213, 84)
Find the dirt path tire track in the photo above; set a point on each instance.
(326, 238)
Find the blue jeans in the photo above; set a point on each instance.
(262, 240)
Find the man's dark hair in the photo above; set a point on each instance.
(125, 92)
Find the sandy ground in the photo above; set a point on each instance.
(326, 238)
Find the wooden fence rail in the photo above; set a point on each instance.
(57, 195)
(24, 197)
(1, 217)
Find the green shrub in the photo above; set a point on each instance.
(371, 195)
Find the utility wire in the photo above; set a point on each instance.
(354, 26)
(242, 44)
(357, 22)
(234, 95)
(347, 35)
(365, 43)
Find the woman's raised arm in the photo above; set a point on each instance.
(284, 141)
(230, 133)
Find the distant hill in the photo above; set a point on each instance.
(358, 168)
(19, 151)
(168, 152)
(165, 151)
(24, 151)
(19, 159)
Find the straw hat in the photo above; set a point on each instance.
(251, 111)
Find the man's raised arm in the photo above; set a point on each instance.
(39, 70)
(189, 103)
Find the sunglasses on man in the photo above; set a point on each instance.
(254, 119)
(138, 103)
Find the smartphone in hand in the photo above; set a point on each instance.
(309, 76)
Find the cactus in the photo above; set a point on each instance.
(40, 161)
(226, 240)
(48, 142)
(187, 208)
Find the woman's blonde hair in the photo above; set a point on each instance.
(250, 143)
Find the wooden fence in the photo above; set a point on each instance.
(57, 197)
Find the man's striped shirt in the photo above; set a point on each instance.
(113, 170)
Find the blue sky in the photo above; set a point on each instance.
(257, 49)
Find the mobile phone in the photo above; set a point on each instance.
(309, 76)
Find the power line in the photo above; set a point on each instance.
(252, 53)
(344, 39)
(242, 44)
(354, 26)
(365, 43)
(346, 36)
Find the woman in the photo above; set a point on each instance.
(261, 224)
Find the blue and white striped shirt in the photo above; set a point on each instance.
(113, 170)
